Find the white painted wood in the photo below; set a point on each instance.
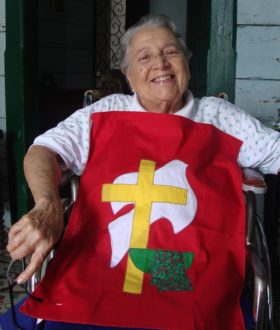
(258, 52)
(2, 97)
(2, 50)
(258, 12)
(261, 98)
(3, 126)
(2, 13)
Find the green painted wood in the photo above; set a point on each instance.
(21, 95)
(198, 41)
(221, 55)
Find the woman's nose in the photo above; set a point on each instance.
(160, 61)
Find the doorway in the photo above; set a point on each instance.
(54, 53)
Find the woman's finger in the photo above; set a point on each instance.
(17, 227)
(36, 262)
(24, 249)
(15, 242)
(26, 236)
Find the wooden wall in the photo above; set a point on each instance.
(258, 57)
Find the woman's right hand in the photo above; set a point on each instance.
(35, 234)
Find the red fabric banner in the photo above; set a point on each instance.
(156, 237)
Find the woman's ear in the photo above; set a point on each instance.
(128, 81)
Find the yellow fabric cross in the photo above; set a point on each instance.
(143, 194)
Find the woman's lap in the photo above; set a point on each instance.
(27, 323)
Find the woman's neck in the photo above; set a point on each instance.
(163, 107)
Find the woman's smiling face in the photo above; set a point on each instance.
(158, 71)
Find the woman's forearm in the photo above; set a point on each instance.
(43, 172)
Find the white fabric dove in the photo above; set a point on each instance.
(180, 216)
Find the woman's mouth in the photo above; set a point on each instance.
(163, 78)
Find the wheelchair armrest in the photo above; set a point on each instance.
(71, 180)
(251, 216)
(253, 180)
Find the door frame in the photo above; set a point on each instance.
(211, 35)
(21, 92)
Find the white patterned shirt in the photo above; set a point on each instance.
(260, 148)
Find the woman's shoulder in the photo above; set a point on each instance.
(212, 107)
(216, 103)
(113, 102)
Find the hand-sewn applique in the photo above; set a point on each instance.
(156, 194)
(167, 268)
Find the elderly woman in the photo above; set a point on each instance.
(150, 243)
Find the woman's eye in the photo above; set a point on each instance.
(144, 58)
(171, 53)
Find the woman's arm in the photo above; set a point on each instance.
(38, 230)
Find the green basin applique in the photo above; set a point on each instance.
(167, 268)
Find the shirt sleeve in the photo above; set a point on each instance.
(261, 145)
(70, 139)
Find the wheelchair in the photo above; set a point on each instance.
(257, 294)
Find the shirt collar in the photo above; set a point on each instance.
(188, 110)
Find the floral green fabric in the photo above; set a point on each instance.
(169, 271)
(167, 268)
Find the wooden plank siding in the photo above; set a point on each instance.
(258, 57)
(258, 12)
(2, 99)
(259, 97)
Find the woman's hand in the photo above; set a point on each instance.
(35, 234)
